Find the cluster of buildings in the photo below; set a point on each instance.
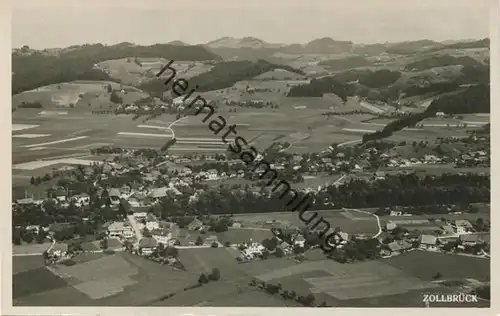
(454, 235)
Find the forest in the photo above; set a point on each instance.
(222, 75)
(76, 63)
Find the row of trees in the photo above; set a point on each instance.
(305, 300)
(394, 190)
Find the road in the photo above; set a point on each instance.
(135, 227)
(376, 216)
(169, 127)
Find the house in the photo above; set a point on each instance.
(396, 213)
(158, 193)
(60, 195)
(152, 224)
(196, 224)
(398, 247)
(147, 245)
(58, 250)
(140, 215)
(253, 250)
(286, 247)
(383, 236)
(462, 226)
(474, 238)
(390, 226)
(81, 199)
(25, 201)
(236, 225)
(379, 175)
(440, 114)
(299, 241)
(428, 242)
(212, 174)
(447, 230)
(210, 239)
(161, 236)
(120, 230)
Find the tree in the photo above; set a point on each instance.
(146, 232)
(202, 279)
(215, 275)
(437, 276)
(109, 88)
(279, 252)
(40, 237)
(28, 237)
(171, 252)
(32, 180)
(309, 299)
(115, 98)
(104, 244)
(199, 241)
(227, 244)
(265, 254)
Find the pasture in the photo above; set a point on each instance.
(348, 281)
(336, 218)
(129, 72)
(112, 280)
(26, 263)
(418, 263)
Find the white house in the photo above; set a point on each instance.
(120, 230)
(151, 225)
(81, 199)
(140, 215)
(253, 250)
(396, 213)
(462, 226)
(162, 236)
(299, 241)
(212, 174)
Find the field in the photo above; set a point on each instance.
(22, 264)
(336, 218)
(417, 263)
(111, 280)
(124, 279)
(129, 72)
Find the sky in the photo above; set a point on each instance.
(56, 23)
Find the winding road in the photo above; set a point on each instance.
(376, 216)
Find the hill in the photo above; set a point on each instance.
(345, 84)
(321, 86)
(178, 43)
(327, 45)
(441, 61)
(346, 63)
(482, 43)
(222, 75)
(410, 47)
(77, 62)
(475, 99)
(245, 42)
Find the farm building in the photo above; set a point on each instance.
(428, 242)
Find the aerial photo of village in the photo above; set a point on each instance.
(127, 192)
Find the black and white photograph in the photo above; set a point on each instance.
(325, 154)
